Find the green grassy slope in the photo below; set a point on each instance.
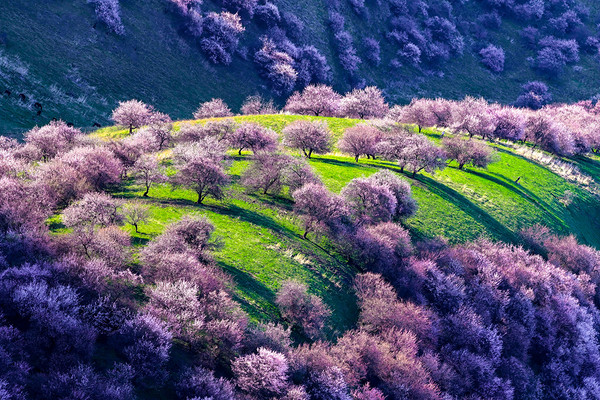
(259, 237)
(54, 55)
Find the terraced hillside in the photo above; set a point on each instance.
(259, 238)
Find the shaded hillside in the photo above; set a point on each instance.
(58, 55)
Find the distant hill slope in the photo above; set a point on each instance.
(56, 54)
(261, 238)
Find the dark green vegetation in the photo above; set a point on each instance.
(55, 54)
(259, 238)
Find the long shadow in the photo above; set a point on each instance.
(254, 288)
(521, 192)
(341, 163)
(232, 210)
(466, 205)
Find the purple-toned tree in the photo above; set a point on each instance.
(263, 374)
(215, 108)
(148, 171)
(308, 136)
(253, 136)
(360, 140)
(492, 57)
(468, 152)
(201, 170)
(320, 100)
(132, 114)
(305, 310)
(320, 208)
(364, 103)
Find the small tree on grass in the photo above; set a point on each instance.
(147, 171)
(360, 140)
(201, 171)
(255, 137)
(406, 205)
(319, 207)
(272, 172)
(364, 103)
(369, 201)
(308, 136)
(466, 152)
(418, 112)
(160, 127)
(132, 114)
(493, 58)
(314, 100)
(254, 105)
(421, 154)
(135, 214)
(302, 309)
(213, 109)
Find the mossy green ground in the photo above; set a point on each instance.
(259, 239)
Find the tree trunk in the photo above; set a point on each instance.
(420, 128)
(136, 228)
(130, 128)
(402, 168)
(147, 190)
(355, 158)
(414, 173)
(199, 201)
(310, 153)
(460, 166)
(305, 234)
(240, 151)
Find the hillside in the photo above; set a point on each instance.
(251, 258)
(260, 238)
(78, 71)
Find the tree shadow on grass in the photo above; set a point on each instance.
(264, 298)
(340, 163)
(452, 196)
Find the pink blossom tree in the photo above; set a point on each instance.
(369, 201)
(160, 127)
(418, 112)
(406, 205)
(468, 152)
(510, 124)
(93, 210)
(97, 165)
(305, 310)
(272, 172)
(53, 139)
(254, 105)
(132, 114)
(263, 374)
(215, 108)
(360, 140)
(148, 171)
(308, 136)
(255, 137)
(314, 100)
(364, 103)
(419, 153)
(319, 207)
(474, 117)
(200, 171)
